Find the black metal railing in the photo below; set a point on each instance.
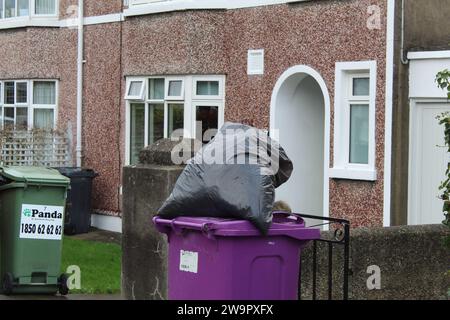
(340, 237)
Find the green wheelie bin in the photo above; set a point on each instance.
(32, 203)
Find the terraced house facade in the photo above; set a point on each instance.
(332, 78)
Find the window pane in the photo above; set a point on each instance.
(23, 7)
(135, 89)
(1, 116)
(156, 89)
(207, 119)
(43, 118)
(10, 8)
(1, 9)
(9, 117)
(45, 6)
(9, 92)
(359, 134)
(361, 86)
(22, 118)
(175, 88)
(207, 88)
(176, 117)
(156, 123)
(44, 92)
(21, 92)
(137, 134)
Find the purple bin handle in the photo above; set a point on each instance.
(298, 219)
(165, 225)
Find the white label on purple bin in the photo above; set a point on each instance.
(188, 261)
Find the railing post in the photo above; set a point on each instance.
(346, 259)
(341, 238)
(314, 269)
(330, 271)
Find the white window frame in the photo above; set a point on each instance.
(3, 88)
(147, 116)
(30, 104)
(189, 105)
(35, 15)
(8, 105)
(147, 94)
(166, 116)
(345, 73)
(167, 83)
(17, 9)
(221, 112)
(140, 7)
(140, 2)
(28, 93)
(34, 106)
(31, 11)
(219, 79)
(3, 17)
(142, 93)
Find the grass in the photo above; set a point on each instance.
(99, 264)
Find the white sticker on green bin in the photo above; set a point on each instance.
(41, 222)
(188, 261)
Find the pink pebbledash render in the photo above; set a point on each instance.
(225, 259)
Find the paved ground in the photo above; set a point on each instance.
(93, 235)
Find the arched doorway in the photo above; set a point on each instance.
(300, 121)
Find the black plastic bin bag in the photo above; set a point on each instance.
(233, 176)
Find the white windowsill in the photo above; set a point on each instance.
(353, 174)
(11, 23)
(178, 5)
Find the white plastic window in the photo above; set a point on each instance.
(174, 89)
(28, 104)
(135, 90)
(27, 8)
(354, 126)
(171, 103)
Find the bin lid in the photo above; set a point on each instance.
(34, 175)
(78, 172)
(282, 225)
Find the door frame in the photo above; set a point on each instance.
(308, 71)
(413, 216)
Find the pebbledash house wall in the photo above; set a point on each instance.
(51, 53)
(102, 99)
(316, 34)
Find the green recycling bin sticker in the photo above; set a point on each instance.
(41, 222)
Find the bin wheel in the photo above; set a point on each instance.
(8, 283)
(63, 288)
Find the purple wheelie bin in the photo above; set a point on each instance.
(225, 259)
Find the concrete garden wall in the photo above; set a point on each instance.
(413, 264)
(144, 250)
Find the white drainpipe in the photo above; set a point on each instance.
(79, 148)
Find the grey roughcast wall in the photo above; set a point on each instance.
(144, 257)
(144, 250)
(413, 264)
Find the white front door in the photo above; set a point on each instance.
(428, 162)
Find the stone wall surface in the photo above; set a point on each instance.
(144, 250)
(413, 262)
